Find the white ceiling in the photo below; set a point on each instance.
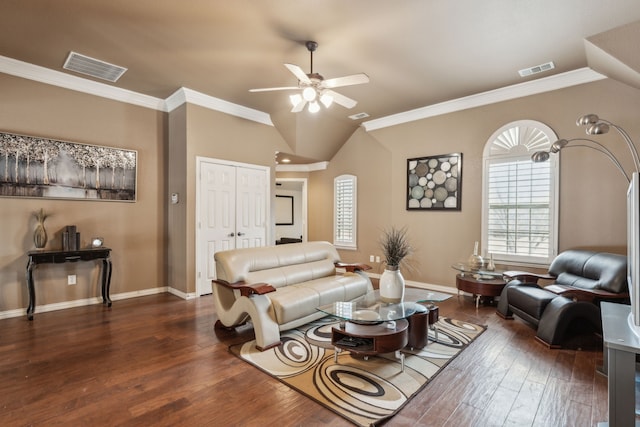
(416, 52)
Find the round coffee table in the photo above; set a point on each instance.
(371, 339)
(479, 288)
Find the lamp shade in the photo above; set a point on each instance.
(295, 99)
(540, 156)
(309, 94)
(598, 128)
(326, 100)
(314, 107)
(587, 119)
(558, 145)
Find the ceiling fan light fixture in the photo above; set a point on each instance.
(314, 89)
(295, 99)
(314, 107)
(326, 100)
(309, 94)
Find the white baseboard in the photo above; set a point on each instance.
(422, 285)
(82, 302)
(181, 294)
(184, 295)
(432, 287)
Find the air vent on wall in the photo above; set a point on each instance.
(537, 69)
(93, 67)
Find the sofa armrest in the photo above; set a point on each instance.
(247, 289)
(527, 276)
(589, 295)
(351, 268)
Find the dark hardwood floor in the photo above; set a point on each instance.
(156, 360)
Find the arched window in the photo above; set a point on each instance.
(344, 220)
(520, 209)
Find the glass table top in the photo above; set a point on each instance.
(478, 273)
(371, 309)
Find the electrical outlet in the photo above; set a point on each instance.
(378, 259)
(371, 258)
(71, 279)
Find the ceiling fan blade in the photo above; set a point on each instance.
(354, 79)
(299, 106)
(267, 89)
(297, 71)
(345, 101)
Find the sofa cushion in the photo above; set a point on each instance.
(591, 270)
(531, 300)
(278, 266)
(296, 301)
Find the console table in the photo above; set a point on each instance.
(58, 257)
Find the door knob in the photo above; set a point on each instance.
(240, 234)
(231, 235)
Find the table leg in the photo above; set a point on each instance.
(400, 355)
(427, 331)
(31, 290)
(106, 281)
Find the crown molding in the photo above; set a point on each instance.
(48, 76)
(40, 74)
(57, 78)
(184, 94)
(547, 84)
(311, 167)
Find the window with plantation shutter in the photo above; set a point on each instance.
(344, 221)
(520, 212)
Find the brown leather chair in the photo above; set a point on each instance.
(571, 304)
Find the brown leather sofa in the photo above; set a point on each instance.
(571, 304)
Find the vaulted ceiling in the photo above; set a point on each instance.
(415, 52)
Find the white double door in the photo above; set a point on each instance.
(232, 213)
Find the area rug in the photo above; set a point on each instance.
(365, 392)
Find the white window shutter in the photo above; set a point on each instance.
(345, 202)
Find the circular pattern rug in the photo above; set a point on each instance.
(363, 391)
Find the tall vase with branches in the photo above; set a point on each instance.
(395, 248)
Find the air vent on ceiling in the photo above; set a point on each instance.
(358, 116)
(93, 67)
(537, 69)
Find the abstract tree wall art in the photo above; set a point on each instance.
(435, 182)
(47, 168)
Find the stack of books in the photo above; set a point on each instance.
(70, 238)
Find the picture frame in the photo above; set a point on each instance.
(284, 210)
(435, 182)
(40, 167)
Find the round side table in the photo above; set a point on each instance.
(489, 288)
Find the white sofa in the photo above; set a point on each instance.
(280, 287)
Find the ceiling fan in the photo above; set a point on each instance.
(315, 88)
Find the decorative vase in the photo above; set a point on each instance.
(475, 261)
(40, 236)
(491, 266)
(392, 285)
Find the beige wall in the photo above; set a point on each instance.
(199, 132)
(135, 231)
(592, 193)
(176, 226)
(369, 161)
(153, 242)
